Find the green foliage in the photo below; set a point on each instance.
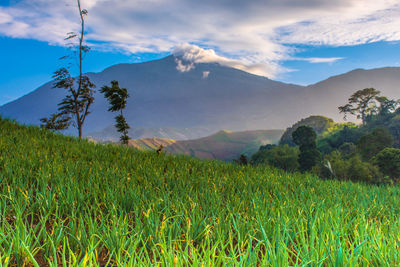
(388, 161)
(305, 137)
(390, 121)
(359, 170)
(65, 201)
(320, 124)
(335, 166)
(371, 144)
(333, 141)
(348, 150)
(117, 98)
(282, 157)
(56, 122)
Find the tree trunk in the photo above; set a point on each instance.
(80, 131)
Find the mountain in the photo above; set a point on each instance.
(223, 145)
(202, 101)
(327, 95)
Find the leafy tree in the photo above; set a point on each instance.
(74, 108)
(388, 161)
(361, 103)
(305, 137)
(282, 157)
(387, 106)
(117, 97)
(371, 144)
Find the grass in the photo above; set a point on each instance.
(68, 202)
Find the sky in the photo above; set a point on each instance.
(294, 41)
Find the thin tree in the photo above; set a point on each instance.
(117, 98)
(74, 108)
(361, 104)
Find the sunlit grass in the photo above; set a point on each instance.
(70, 202)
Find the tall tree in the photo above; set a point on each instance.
(361, 103)
(74, 108)
(117, 97)
(305, 137)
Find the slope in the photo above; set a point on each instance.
(71, 202)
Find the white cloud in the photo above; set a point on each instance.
(188, 55)
(249, 35)
(182, 67)
(318, 59)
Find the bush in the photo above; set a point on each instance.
(348, 150)
(331, 142)
(282, 157)
(388, 161)
(335, 166)
(371, 144)
(360, 171)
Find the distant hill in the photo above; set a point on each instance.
(110, 133)
(223, 145)
(193, 105)
(151, 143)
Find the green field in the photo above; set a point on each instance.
(70, 202)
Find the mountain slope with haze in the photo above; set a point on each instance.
(196, 105)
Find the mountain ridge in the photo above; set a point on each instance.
(225, 98)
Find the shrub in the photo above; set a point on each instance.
(335, 166)
(388, 161)
(371, 144)
(282, 157)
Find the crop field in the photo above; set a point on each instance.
(66, 202)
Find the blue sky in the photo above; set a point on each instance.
(293, 41)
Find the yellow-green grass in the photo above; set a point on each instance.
(70, 202)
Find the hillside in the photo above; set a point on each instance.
(226, 145)
(223, 145)
(71, 202)
(167, 103)
(150, 143)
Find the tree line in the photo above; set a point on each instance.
(369, 152)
